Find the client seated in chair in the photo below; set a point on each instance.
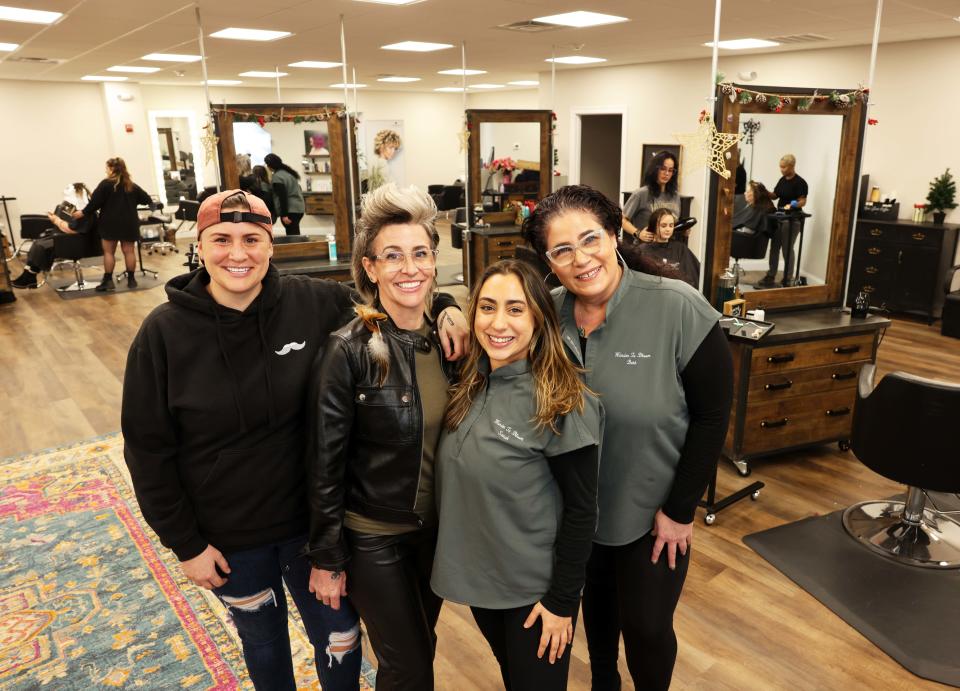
(668, 251)
(904, 430)
(753, 216)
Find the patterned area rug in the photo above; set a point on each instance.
(89, 597)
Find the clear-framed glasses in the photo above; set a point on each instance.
(590, 244)
(422, 257)
(664, 169)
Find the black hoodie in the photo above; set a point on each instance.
(214, 410)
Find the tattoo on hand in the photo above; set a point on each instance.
(335, 576)
(449, 320)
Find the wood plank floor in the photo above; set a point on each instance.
(741, 624)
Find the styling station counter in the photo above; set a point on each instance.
(797, 386)
(486, 245)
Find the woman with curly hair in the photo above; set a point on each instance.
(386, 143)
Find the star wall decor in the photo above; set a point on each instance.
(708, 146)
(209, 142)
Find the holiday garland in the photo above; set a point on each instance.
(777, 102)
(322, 115)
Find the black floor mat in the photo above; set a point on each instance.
(912, 614)
(144, 282)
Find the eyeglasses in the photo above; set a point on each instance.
(394, 260)
(664, 169)
(589, 244)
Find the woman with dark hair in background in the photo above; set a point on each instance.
(759, 205)
(652, 349)
(659, 191)
(287, 195)
(257, 183)
(667, 251)
(116, 198)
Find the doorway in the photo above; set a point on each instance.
(599, 143)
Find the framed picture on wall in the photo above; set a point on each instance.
(316, 143)
(651, 150)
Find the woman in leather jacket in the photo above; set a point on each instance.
(380, 390)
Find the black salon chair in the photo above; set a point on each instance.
(434, 189)
(32, 226)
(950, 326)
(450, 198)
(904, 429)
(69, 249)
(747, 243)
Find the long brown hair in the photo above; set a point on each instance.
(761, 196)
(559, 388)
(119, 174)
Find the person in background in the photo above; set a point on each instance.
(664, 250)
(791, 195)
(636, 333)
(380, 390)
(287, 195)
(253, 184)
(116, 199)
(758, 206)
(659, 191)
(517, 480)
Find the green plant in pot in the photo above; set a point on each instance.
(940, 199)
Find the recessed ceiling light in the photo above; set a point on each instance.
(392, 2)
(102, 78)
(743, 44)
(250, 34)
(171, 57)
(581, 19)
(398, 80)
(486, 86)
(450, 89)
(348, 86)
(8, 47)
(18, 14)
(132, 69)
(222, 82)
(263, 75)
(314, 64)
(524, 82)
(417, 46)
(462, 73)
(575, 60)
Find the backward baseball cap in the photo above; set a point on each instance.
(210, 212)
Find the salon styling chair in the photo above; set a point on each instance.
(747, 243)
(904, 430)
(32, 226)
(950, 326)
(69, 249)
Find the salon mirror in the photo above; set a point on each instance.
(175, 141)
(825, 139)
(509, 156)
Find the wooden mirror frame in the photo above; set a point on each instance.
(229, 174)
(720, 221)
(543, 117)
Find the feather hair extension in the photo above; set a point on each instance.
(377, 345)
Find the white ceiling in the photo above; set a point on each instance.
(96, 34)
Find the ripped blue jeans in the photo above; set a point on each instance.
(257, 604)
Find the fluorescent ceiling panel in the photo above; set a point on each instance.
(250, 34)
(171, 57)
(450, 89)
(417, 46)
(263, 75)
(462, 73)
(348, 86)
(392, 2)
(524, 82)
(314, 64)
(133, 69)
(743, 44)
(102, 78)
(575, 60)
(486, 86)
(222, 82)
(18, 14)
(398, 80)
(8, 47)
(581, 19)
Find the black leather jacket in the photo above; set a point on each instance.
(366, 444)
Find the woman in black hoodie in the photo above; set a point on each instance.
(214, 425)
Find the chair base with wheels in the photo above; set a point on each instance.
(69, 249)
(907, 531)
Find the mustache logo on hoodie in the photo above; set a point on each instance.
(285, 350)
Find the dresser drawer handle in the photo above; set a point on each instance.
(779, 359)
(876, 232)
(919, 236)
(505, 243)
(837, 412)
(506, 256)
(868, 288)
(768, 424)
(843, 376)
(779, 387)
(846, 350)
(872, 270)
(874, 251)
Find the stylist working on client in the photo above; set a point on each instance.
(654, 353)
(659, 191)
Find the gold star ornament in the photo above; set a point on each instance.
(708, 146)
(464, 139)
(209, 142)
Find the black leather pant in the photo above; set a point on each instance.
(626, 593)
(388, 580)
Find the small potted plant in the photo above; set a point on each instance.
(940, 199)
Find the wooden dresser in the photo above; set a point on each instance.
(488, 245)
(901, 265)
(797, 386)
(318, 203)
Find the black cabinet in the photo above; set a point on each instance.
(901, 265)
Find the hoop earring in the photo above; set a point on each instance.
(623, 262)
